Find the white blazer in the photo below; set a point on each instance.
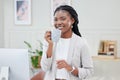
(78, 56)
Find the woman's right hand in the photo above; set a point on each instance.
(50, 43)
(48, 36)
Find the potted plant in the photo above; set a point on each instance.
(35, 55)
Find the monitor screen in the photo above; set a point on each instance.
(18, 62)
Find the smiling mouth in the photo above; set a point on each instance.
(59, 27)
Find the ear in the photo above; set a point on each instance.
(73, 20)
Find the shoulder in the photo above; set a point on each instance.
(80, 40)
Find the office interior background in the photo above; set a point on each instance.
(99, 20)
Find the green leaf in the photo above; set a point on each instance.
(28, 44)
(35, 61)
(39, 52)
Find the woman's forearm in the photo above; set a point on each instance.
(49, 50)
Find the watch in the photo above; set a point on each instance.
(73, 68)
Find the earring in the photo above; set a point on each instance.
(71, 26)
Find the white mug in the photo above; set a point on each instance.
(55, 35)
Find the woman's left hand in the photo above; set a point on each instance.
(63, 64)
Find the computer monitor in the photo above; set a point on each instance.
(18, 62)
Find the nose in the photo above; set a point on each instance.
(58, 23)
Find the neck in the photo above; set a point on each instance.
(67, 34)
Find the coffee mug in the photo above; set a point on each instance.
(55, 35)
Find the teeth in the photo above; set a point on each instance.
(60, 27)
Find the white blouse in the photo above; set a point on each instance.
(61, 52)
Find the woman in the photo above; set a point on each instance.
(69, 58)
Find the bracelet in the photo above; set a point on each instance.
(73, 68)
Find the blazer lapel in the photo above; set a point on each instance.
(71, 49)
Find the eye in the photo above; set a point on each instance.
(60, 19)
(55, 19)
(63, 18)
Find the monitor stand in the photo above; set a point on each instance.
(4, 73)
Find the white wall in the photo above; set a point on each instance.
(99, 20)
(15, 34)
(1, 25)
